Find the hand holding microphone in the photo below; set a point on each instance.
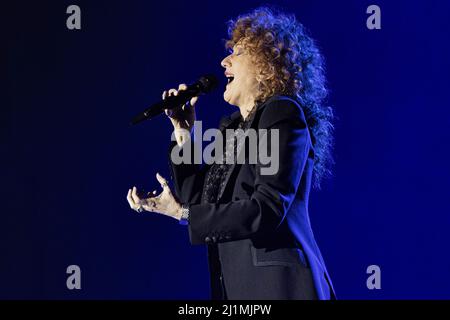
(182, 117)
(172, 101)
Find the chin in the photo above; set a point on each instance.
(227, 98)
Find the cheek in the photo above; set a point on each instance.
(251, 77)
(249, 66)
(251, 81)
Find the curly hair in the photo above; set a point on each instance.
(289, 63)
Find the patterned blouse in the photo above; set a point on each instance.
(217, 174)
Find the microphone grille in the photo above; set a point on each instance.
(208, 82)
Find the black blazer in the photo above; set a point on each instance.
(260, 242)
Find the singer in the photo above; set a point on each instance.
(256, 226)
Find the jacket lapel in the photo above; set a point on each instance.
(225, 122)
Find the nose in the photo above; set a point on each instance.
(226, 62)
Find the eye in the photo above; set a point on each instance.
(237, 51)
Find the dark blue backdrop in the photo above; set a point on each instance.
(69, 156)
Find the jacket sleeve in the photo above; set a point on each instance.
(273, 193)
(187, 176)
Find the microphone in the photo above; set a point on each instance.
(204, 85)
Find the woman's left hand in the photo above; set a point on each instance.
(164, 203)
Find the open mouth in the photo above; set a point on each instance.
(229, 79)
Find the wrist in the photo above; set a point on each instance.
(185, 214)
(182, 125)
(178, 212)
(182, 136)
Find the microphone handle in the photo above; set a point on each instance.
(168, 103)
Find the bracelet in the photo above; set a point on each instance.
(184, 214)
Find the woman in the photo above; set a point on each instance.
(256, 227)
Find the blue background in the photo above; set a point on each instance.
(68, 154)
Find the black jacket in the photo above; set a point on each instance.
(260, 242)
